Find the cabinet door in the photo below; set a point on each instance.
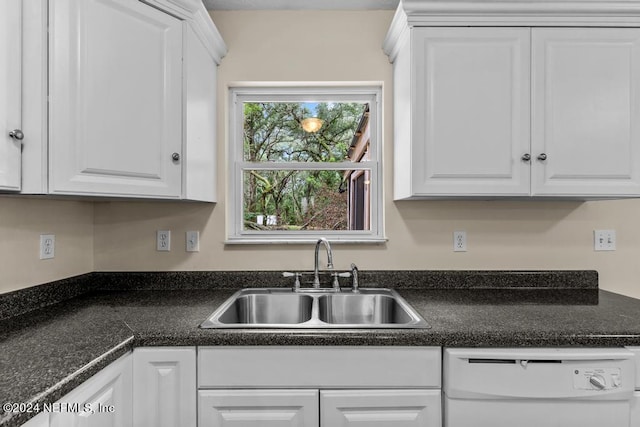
(104, 400)
(586, 111)
(40, 420)
(471, 115)
(116, 99)
(164, 387)
(384, 408)
(258, 408)
(10, 93)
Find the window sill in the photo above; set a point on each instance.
(304, 240)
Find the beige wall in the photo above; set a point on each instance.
(22, 220)
(312, 46)
(344, 46)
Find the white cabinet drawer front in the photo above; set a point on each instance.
(586, 111)
(384, 408)
(319, 367)
(471, 124)
(258, 408)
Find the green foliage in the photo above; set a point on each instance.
(273, 133)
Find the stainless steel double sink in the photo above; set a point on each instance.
(310, 309)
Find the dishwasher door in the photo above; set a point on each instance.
(538, 387)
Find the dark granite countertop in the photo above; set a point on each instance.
(46, 353)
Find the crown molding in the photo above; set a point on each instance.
(301, 4)
(528, 13)
(197, 15)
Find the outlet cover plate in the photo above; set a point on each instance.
(163, 240)
(47, 246)
(459, 241)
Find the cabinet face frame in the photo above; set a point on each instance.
(164, 387)
(586, 111)
(470, 129)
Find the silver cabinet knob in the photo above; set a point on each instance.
(17, 134)
(526, 157)
(175, 156)
(542, 157)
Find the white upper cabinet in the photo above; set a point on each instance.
(10, 95)
(471, 118)
(115, 99)
(129, 99)
(489, 101)
(586, 111)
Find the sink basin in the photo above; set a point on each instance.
(266, 308)
(362, 309)
(311, 309)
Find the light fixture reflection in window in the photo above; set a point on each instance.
(312, 124)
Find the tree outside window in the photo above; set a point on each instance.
(298, 165)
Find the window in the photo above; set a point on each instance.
(305, 163)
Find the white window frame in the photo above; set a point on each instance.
(302, 92)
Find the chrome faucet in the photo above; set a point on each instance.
(325, 242)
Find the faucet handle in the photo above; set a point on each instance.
(354, 280)
(336, 283)
(296, 284)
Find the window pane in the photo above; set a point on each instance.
(304, 131)
(307, 200)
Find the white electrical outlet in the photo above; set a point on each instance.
(193, 241)
(163, 240)
(459, 241)
(47, 246)
(604, 240)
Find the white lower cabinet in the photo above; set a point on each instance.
(253, 408)
(324, 408)
(325, 387)
(104, 400)
(40, 420)
(635, 403)
(164, 387)
(635, 409)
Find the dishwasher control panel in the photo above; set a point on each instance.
(596, 378)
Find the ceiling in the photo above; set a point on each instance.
(300, 4)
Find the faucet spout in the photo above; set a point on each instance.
(327, 246)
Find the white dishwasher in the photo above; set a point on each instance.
(538, 387)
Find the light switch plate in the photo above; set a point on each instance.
(193, 241)
(604, 240)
